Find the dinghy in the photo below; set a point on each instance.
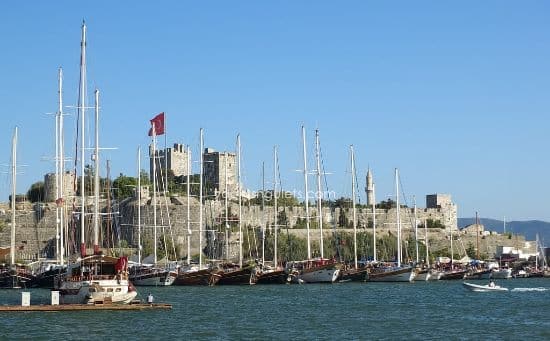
(483, 288)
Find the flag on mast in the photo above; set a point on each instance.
(158, 123)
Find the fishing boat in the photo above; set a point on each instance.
(483, 288)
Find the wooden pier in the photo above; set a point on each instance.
(82, 307)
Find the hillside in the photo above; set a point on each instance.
(528, 228)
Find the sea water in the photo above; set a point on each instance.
(349, 311)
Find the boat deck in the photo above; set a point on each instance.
(80, 307)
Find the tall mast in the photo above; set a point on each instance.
(200, 196)
(353, 205)
(13, 186)
(398, 218)
(319, 193)
(537, 253)
(226, 194)
(374, 222)
(451, 238)
(426, 242)
(61, 167)
(188, 205)
(477, 236)
(275, 208)
(82, 114)
(57, 195)
(239, 189)
(306, 202)
(263, 213)
(96, 176)
(416, 231)
(138, 192)
(154, 202)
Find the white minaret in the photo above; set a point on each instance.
(370, 189)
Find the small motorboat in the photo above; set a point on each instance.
(483, 288)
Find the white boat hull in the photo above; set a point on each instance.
(393, 275)
(483, 288)
(160, 278)
(92, 291)
(320, 276)
(422, 275)
(501, 274)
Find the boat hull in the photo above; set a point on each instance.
(353, 275)
(483, 288)
(477, 275)
(422, 275)
(237, 277)
(272, 277)
(96, 291)
(392, 275)
(204, 277)
(453, 275)
(16, 278)
(157, 277)
(321, 274)
(501, 274)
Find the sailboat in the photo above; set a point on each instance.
(477, 271)
(273, 274)
(313, 270)
(96, 278)
(49, 268)
(141, 274)
(393, 272)
(196, 274)
(427, 273)
(235, 274)
(15, 275)
(355, 273)
(151, 274)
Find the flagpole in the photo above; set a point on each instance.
(165, 157)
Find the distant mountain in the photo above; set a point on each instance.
(529, 228)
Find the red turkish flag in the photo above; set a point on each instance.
(158, 123)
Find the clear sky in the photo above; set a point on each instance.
(454, 94)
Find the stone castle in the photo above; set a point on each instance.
(36, 222)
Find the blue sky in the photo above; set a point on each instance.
(453, 94)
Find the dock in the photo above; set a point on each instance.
(83, 307)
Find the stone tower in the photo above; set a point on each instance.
(174, 158)
(370, 189)
(215, 165)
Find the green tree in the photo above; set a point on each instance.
(124, 186)
(36, 192)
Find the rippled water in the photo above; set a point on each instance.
(339, 311)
